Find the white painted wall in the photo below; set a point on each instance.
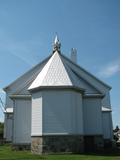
(9, 101)
(92, 116)
(107, 127)
(8, 127)
(8, 121)
(37, 114)
(22, 121)
(106, 100)
(61, 111)
(97, 84)
(107, 118)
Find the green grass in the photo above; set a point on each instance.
(7, 154)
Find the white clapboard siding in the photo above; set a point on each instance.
(59, 113)
(22, 121)
(79, 113)
(8, 127)
(92, 116)
(36, 114)
(106, 100)
(107, 125)
(9, 101)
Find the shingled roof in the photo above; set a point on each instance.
(56, 73)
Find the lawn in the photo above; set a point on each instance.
(7, 154)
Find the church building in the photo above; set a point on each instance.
(57, 106)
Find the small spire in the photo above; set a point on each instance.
(74, 55)
(57, 44)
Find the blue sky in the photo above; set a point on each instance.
(27, 30)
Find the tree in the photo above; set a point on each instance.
(116, 129)
(1, 129)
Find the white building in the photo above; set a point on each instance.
(58, 106)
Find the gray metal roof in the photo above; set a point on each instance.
(57, 71)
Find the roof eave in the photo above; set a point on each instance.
(57, 87)
(94, 96)
(20, 96)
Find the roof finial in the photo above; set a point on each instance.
(57, 44)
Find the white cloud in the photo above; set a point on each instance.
(110, 69)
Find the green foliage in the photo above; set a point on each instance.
(1, 129)
(115, 132)
(116, 138)
(116, 129)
